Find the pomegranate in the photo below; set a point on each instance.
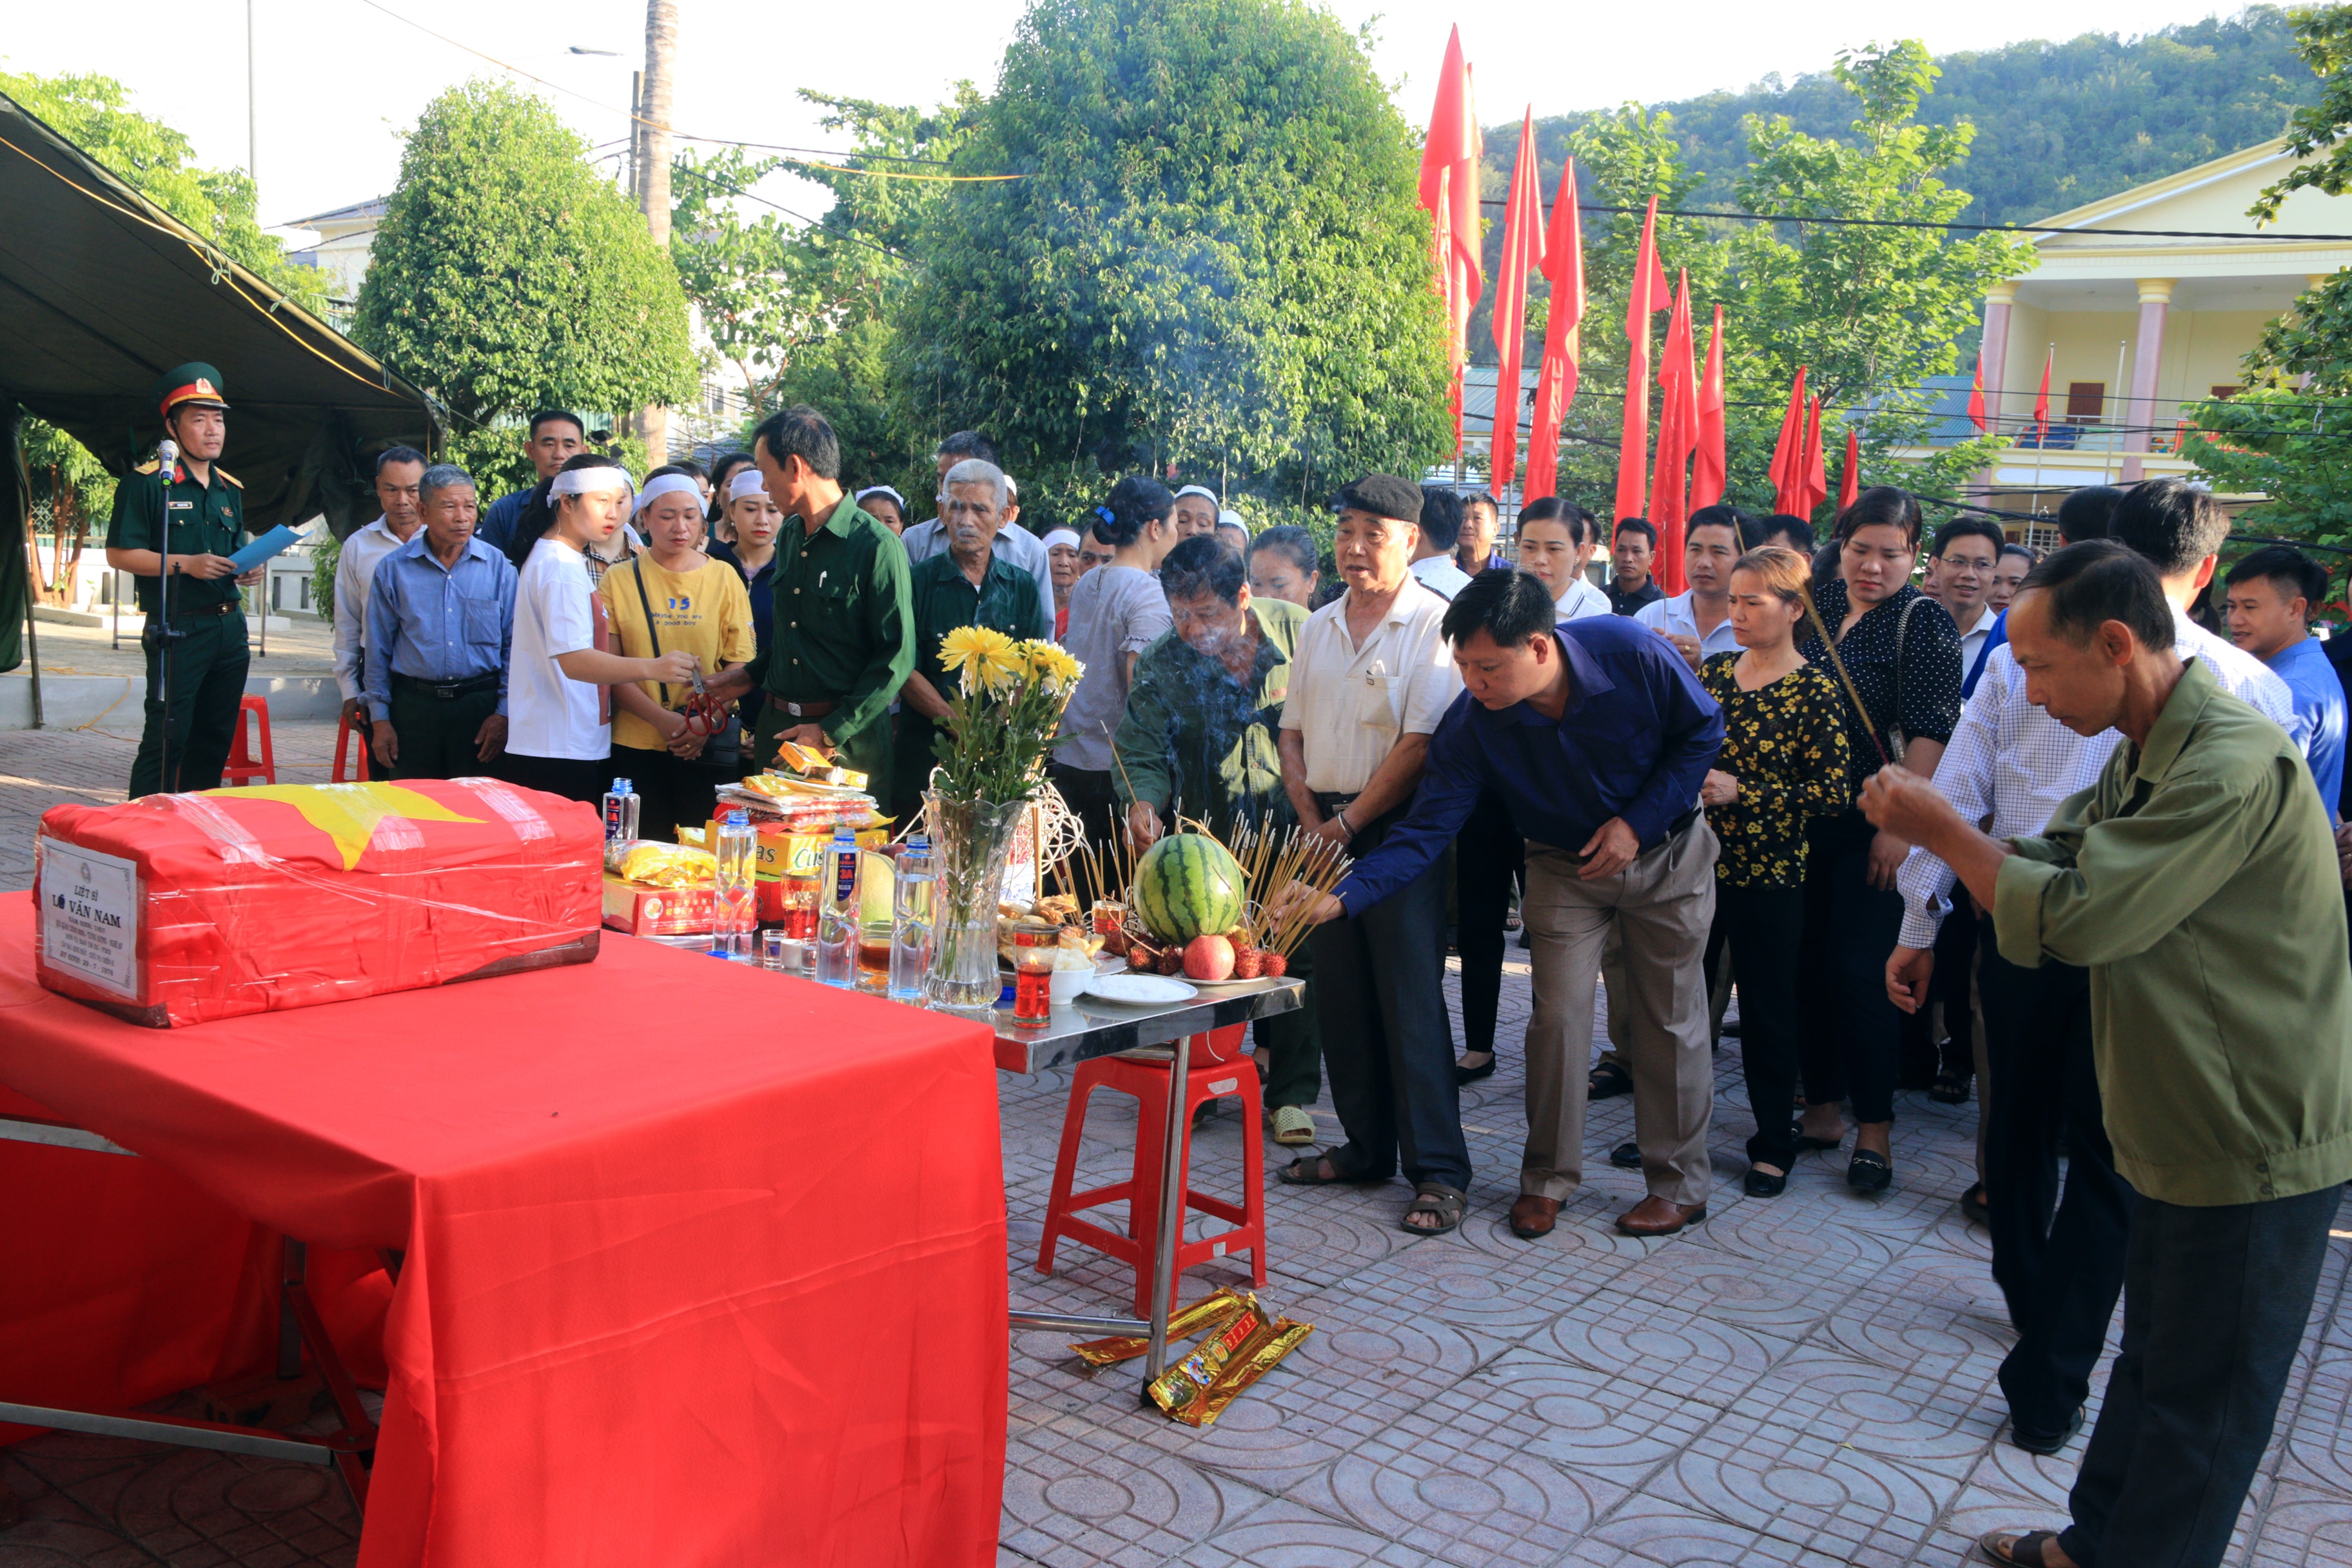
(1209, 958)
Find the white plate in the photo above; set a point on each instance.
(1220, 987)
(1140, 990)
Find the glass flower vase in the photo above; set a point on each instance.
(972, 840)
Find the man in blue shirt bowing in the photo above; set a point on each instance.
(1596, 735)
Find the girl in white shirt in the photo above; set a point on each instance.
(1556, 540)
(559, 716)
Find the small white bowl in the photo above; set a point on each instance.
(1068, 984)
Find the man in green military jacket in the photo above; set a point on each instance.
(971, 586)
(842, 641)
(201, 648)
(2197, 881)
(1201, 729)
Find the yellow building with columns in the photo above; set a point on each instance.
(2142, 302)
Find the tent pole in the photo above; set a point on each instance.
(32, 595)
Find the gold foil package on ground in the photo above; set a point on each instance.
(1197, 1389)
(1210, 1312)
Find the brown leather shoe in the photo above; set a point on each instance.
(1655, 1216)
(1532, 1217)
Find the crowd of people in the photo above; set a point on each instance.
(1948, 814)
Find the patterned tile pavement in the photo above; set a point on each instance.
(1804, 1379)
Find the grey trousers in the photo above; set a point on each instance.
(1661, 906)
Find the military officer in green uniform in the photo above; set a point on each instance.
(971, 586)
(842, 644)
(204, 509)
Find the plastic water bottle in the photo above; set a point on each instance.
(836, 912)
(621, 804)
(911, 921)
(736, 908)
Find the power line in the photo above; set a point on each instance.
(1922, 222)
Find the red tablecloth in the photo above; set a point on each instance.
(704, 1264)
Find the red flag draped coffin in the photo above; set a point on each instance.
(176, 909)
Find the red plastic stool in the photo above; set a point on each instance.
(242, 768)
(359, 770)
(1147, 1080)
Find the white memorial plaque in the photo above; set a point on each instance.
(90, 916)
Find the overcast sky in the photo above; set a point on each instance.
(341, 78)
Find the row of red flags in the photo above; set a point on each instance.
(1690, 462)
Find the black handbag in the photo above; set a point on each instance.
(722, 751)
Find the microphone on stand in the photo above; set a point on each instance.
(167, 463)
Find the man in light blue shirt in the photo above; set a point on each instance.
(1698, 621)
(2271, 595)
(440, 617)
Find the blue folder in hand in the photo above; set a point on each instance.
(277, 541)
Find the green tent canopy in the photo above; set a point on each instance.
(101, 292)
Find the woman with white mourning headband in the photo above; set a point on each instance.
(749, 525)
(559, 707)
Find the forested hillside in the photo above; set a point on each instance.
(2057, 124)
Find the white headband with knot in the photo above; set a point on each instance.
(746, 482)
(667, 484)
(1202, 490)
(880, 491)
(1228, 518)
(1062, 536)
(594, 480)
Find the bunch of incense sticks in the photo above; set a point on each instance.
(1105, 869)
(1273, 863)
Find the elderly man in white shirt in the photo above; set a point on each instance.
(398, 472)
(1697, 621)
(1370, 680)
(2059, 1259)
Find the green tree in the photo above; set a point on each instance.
(2286, 445)
(508, 274)
(1214, 258)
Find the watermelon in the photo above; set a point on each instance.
(1187, 885)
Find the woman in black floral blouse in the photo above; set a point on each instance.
(1903, 653)
(1783, 763)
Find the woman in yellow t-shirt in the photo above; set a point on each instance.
(673, 598)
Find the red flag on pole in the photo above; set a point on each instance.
(2041, 403)
(1850, 483)
(1449, 181)
(1633, 436)
(1788, 452)
(1523, 240)
(1817, 468)
(1677, 437)
(1976, 399)
(1708, 466)
(1563, 267)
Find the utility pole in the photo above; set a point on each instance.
(252, 117)
(652, 138)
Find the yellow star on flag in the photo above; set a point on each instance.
(349, 813)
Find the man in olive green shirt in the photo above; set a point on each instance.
(198, 653)
(2197, 881)
(841, 645)
(1201, 729)
(971, 586)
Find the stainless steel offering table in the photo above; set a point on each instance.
(1091, 1027)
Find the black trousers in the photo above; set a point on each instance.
(1088, 792)
(208, 667)
(676, 792)
(1765, 927)
(435, 735)
(1924, 1054)
(1852, 1032)
(1388, 1048)
(1290, 1045)
(570, 777)
(2215, 1301)
(1490, 860)
(2058, 1257)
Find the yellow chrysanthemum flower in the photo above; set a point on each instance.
(981, 656)
(1053, 664)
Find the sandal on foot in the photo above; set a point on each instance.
(1609, 1079)
(1307, 1171)
(1949, 1089)
(1445, 1205)
(1463, 1077)
(1973, 1207)
(1293, 1125)
(2023, 1549)
(1868, 1171)
(1807, 1142)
